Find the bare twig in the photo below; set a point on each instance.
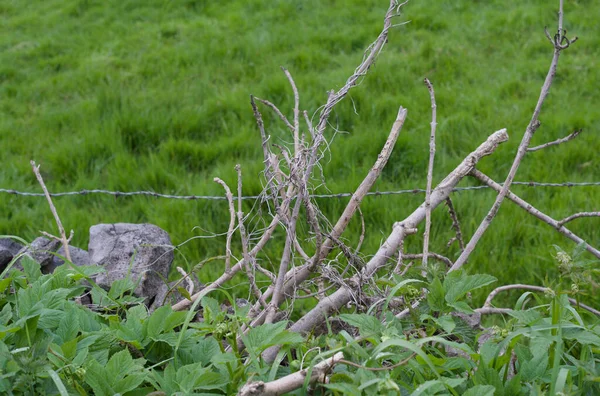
(455, 225)
(572, 136)
(432, 255)
(231, 222)
(429, 174)
(268, 160)
(277, 111)
(386, 368)
(293, 381)
(535, 212)
(578, 215)
(296, 112)
(63, 236)
(248, 261)
(522, 150)
(186, 278)
(496, 291)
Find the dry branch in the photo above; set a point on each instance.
(296, 112)
(522, 150)
(455, 225)
(572, 136)
(63, 236)
(432, 255)
(496, 291)
(535, 212)
(231, 228)
(293, 381)
(577, 216)
(429, 174)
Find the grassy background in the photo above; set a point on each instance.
(154, 95)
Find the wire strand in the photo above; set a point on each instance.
(117, 194)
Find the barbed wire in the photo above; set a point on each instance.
(117, 194)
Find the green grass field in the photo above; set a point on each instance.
(154, 95)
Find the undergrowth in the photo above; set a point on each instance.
(50, 344)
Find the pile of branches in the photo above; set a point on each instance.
(291, 175)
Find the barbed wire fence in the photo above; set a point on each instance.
(254, 197)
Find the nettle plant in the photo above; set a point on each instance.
(345, 323)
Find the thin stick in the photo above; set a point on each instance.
(572, 136)
(578, 215)
(429, 175)
(436, 256)
(186, 279)
(531, 128)
(364, 186)
(292, 381)
(277, 111)
(248, 261)
(268, 160)
(496, 291)
(455, 225)
(534, 211)
(231, 222)
(296, 112)
(61, 230)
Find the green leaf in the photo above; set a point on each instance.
(368, 325)
(130, 382)
(481, 390)
(344, 388)
(4, 283)
(183, 291)
(211, 309)
(582, 336)
(534, 368)
(461, 306)
(68, 327)
(435, 386)
(96, 378)
(31, 268)
(6, 314)
(119, 287)
(436, 296)
(527, 317)
(156, 321)
(457, 284)
(205, 349)
(266, 335)
(561, 380)
(120, 364)
(58, 382)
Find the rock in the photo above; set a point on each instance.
(78, 257)
(141, 251)
(8, 249)
(41, 251)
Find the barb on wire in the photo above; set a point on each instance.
(250, 197)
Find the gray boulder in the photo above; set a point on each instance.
(8, 249)
(41, 251)
(141, 251)
(78, 257)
